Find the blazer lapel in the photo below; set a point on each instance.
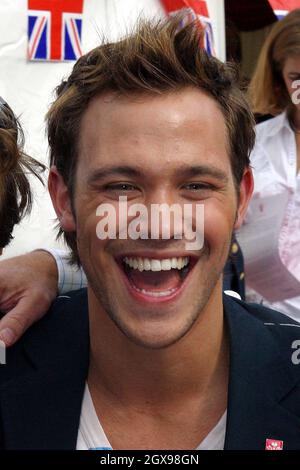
(261, 378)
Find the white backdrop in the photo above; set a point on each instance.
(28, 87)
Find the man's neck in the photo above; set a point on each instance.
(193, 366)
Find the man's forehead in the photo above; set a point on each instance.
(156, 135)
(188, 115)
(174, 106)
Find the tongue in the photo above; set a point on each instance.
(155, 281)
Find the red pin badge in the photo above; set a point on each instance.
(273, 444)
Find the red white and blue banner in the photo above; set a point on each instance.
(194, 9)
(282, 7)
(54, 29)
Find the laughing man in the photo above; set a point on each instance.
(152, 355)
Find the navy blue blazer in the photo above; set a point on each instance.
(42, 383)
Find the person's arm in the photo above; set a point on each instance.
(28, 286)
(70, 277)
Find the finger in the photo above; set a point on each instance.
(14, 324)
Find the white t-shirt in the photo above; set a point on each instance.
(91, 435)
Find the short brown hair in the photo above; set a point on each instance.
(15, 165)
(267, 89)
(158, 57)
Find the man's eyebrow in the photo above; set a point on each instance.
(185, 171)
(203, 170)
(102, 173)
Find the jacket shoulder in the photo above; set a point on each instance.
(66, 320)
(282, 328)
(266, 314)
(66, 310)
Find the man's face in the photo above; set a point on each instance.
(155, 149)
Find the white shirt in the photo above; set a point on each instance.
(91, 435)
(274, 163)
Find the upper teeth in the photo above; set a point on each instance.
(146, 264)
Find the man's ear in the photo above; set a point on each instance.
(245, 193)
(61, 200)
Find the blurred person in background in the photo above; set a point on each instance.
(15, 165)
(276, 156)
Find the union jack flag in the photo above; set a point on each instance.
(54, 29)
(194, 9)
(283, 7)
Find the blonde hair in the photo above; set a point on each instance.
(267, 91)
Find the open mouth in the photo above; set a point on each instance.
(156, 279)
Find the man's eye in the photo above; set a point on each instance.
(121, 187)
(197, 186)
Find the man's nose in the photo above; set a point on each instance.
(165, 215)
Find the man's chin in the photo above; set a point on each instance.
(154, 337)
(154, 326)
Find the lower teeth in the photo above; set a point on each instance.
(154, 294)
